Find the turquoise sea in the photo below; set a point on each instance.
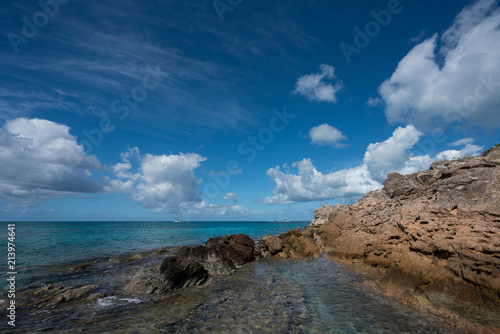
(267, 296)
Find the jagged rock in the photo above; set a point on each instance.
(212, 259)
(294, 243)
(239, 248)
(182, 273)
(322, 214)
(440, 228)
(194, 266)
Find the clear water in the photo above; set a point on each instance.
(271, 296)
(58, 244)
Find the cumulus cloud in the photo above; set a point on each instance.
(163, 182)
(40, 160)
(305, 183)
(390, 155)
(316, 87)
(457, 83)
(326, 134)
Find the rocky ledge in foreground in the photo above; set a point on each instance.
(434, 230)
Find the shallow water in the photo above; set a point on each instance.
(273, 296)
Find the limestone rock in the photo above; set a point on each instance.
(322, 214)
(439, 228)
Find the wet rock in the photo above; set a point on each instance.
(438, 229)
(50, 296)
(135, 257)
(82, 266)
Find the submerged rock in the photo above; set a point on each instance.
(434, 230)
(50, 296)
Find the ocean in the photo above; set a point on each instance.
(268, 296)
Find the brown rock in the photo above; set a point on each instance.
(439, 229)
(294, 243)
(135, 257)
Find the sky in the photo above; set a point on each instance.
(235, 109)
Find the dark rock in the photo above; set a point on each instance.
(182, 273)
(239, 248)
(212, 259)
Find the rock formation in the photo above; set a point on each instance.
(434, 230)
(194, 266)
(294, 243)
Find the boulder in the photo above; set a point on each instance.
(212, 259)
(194, 266)
(239, 248)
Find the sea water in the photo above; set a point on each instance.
(270, 296)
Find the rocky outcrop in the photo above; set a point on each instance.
(434, 230)
(295, 243)
(194, 266)
(322, 214)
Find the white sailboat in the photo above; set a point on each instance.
(177, 220)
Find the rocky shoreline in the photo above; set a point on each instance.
(430, 240)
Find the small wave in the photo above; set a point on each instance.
(132, 300)
(106, 301)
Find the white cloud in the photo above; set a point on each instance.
(326, 134)
(316, 88)
(392, 155)
(461, 85)
(231, 197)
(163, 182)
(40, 160)
(461, 142)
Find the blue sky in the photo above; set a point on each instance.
(235, 110)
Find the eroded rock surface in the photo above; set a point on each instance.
(295, 243)
(194, 266)
(437, 229)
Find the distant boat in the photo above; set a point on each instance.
(286, 221)
(177, 220)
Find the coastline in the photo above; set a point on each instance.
(264, 275)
